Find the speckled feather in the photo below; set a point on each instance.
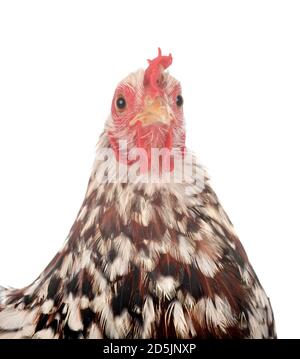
(143, 261)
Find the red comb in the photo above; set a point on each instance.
(152, 77)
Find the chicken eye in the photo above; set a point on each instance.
(121, 103)
(179, 100)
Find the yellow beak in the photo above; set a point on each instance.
(155, 110)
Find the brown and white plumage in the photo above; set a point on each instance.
(143, 260)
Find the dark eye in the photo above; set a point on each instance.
(179, 100)
(121, 103)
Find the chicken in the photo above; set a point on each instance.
(152, 253)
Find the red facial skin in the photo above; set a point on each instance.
(142, 133)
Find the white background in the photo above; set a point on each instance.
(239, 64)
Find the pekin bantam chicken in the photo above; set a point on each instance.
(152, 253)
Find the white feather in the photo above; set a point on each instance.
(180, 323)
(12, 318)
(44, 334)
(74, 319)
(94, 332)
